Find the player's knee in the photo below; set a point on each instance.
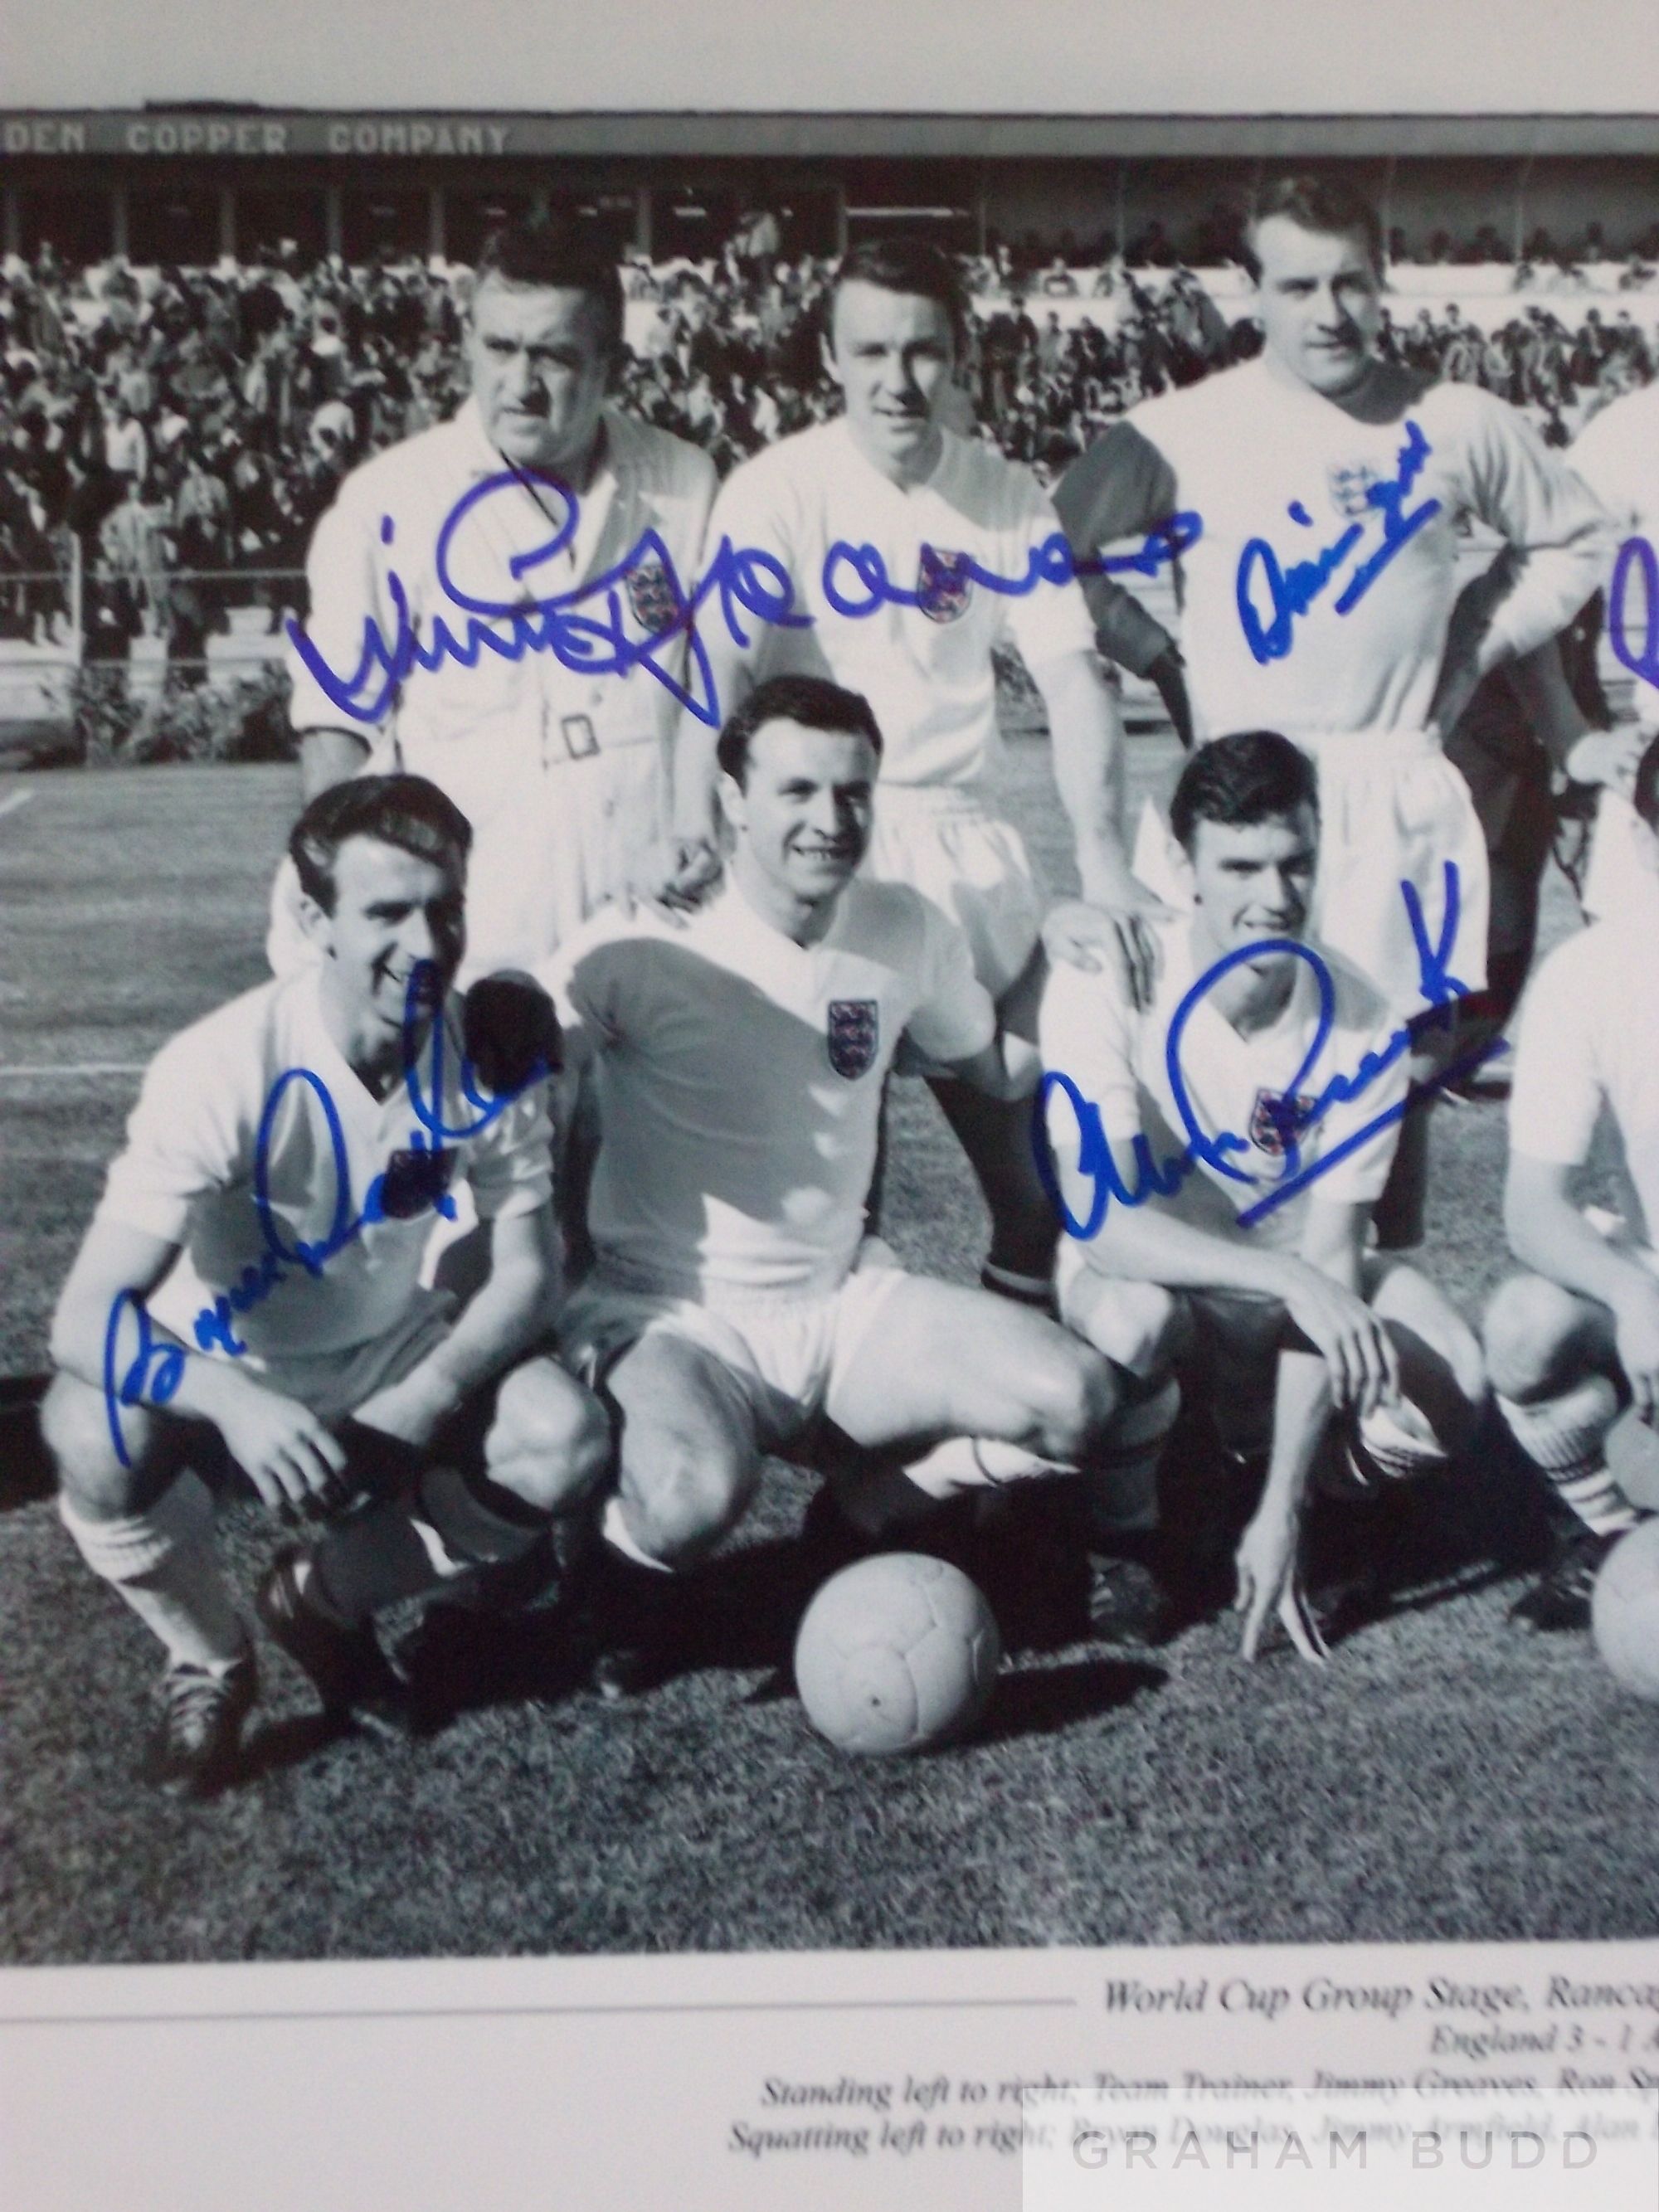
(1530, 1327)
(75, 1423)
(1074, 1396)
(685, 1497)
(1135, 1325)
(1467, 1363)
(552, 1441)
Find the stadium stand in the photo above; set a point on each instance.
(172, 434)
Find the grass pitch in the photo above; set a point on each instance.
(1445, 1778)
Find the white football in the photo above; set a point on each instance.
(896, 1654)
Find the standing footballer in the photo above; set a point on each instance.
(913, 551)
(474, 533)
(1322, 592)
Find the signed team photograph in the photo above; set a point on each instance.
(829, 1028)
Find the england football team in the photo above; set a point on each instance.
(1199, 1098)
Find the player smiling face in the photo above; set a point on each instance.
(802, 813)
(1320, 297)
(892, 354)
(393, 913)
(1252, 881)
(540, 358)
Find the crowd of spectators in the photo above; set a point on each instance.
(187, 427)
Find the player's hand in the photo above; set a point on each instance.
(675, 875)
(1118, 939)
(510, 1032)
(297, 1464)
(1608, 757)
(1636, 1324)
(1357, 1349)
(1267, 1586)
(1168, 674)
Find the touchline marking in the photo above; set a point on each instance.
(90, 1067)
(532, 2012)
(10, 806)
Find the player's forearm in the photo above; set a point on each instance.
(1008, 1069)
(508, 1315)
(1549, 1234)
(1302, 1413)
(696, 769)
(1124, 631)
(1548, 586)
(101, 1346)
(1139, 1244)
(328, 757)
(1335, 1244)
(1087, 736)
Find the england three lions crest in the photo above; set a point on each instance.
(854, 1037)
(652, 595)
(1351, 486)
(945, 586)
(1276, 1120)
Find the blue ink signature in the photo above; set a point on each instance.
(585, 630)
(155, 1370)
(1637, 558)
(1292, 592)
(1293, 1116)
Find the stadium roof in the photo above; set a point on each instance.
(193, 128)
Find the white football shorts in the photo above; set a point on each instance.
(943, 841)
(784, 1354)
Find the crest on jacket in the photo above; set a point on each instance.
(854, 1037)
(652, 595)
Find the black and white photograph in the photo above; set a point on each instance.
(829, 1015)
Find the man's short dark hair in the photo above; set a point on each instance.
(1317, 202)
(1645, 795)
(915, 266)
(812, 701)
(561, 256)
(1254, 777)
(404, 810)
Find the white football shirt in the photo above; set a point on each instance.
(1280, 478)
(925, 669)
(1616, 454)
(740, 1080)
(1120, 1061)
(340, 1167)
(1589, 1041)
